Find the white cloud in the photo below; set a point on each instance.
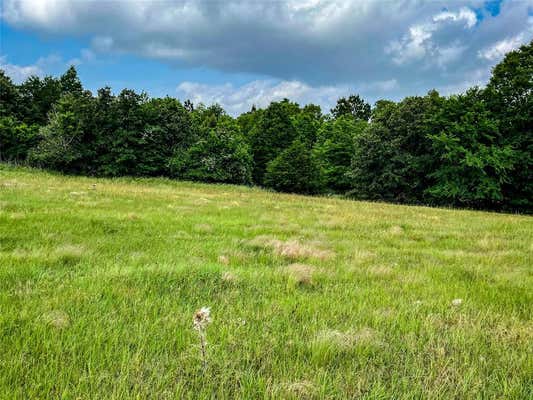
(418, 43)
(239, 99)
(464, 14)
(498, 50)
(19, 73)
(413, 46)
(50, 65)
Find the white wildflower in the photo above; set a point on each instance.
(200, 320)
(457, 302)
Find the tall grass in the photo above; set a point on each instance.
(310, 298)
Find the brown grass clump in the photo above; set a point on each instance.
(301, 273)
(396, 230)
(292, 249)
(349, 339)
(223, 259)
(17, 215)
(132, 216)
(361, 255)
(229, 277)
(300, 390)
(380, 270)
(367, 336)
(261, 240)
(138, 255)
(57, 319)
(70, 251)
(334, 338)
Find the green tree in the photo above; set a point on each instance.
(509, 96)
(169, 131)
(393, 158)
(473, 164)
(334, 149)
(66, 141)
(37, 97)
(248, 121)
(354, 105)
(221, 155)
(373, 172)
(307, 122)
(9, 96)
(70, 83)
(273, 133)
(293, 170)
(123, 146)
(16, 139)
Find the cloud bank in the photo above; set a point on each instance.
(311, 46)
(259, 93)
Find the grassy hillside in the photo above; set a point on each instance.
(310, 297)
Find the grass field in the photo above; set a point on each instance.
(310, 297)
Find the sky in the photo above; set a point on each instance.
(240, 53)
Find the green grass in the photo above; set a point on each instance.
(98, 286)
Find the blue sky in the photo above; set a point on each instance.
(244, 52)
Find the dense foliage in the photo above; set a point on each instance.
(474, 149)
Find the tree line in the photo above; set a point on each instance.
(468, 150)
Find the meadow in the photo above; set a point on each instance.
(310, 297)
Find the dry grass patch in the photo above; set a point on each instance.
(229, 277)
(396, 230)
(348, 339)
(296, 390)
(292, 249)
(57, 319)
(359, 255)
(223, 259)
(137, 255)
(132, 216)
(17, 215)
(302, 274)
(70, 251)
(493, 245)
(28, 254)
(380, 270)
